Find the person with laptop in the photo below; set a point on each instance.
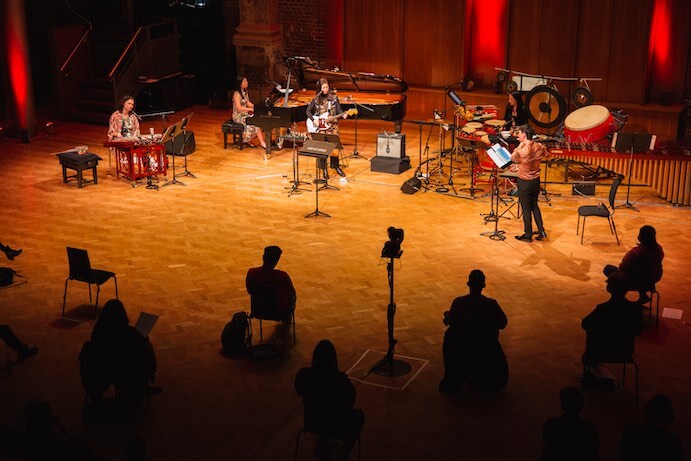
(527, 155)
(126, 353)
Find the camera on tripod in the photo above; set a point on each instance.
(392, 248)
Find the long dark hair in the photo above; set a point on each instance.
(112, 320)
(123, 100)
(324, 356)
(319, 93)
(238, 85)
(519, 99)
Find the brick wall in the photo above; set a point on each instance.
(304, 28)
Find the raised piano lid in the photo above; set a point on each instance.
(307, 74)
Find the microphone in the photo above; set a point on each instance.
(136, 115)
(437, 114)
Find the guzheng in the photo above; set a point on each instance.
(135, 160)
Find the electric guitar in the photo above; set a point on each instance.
(325, 121)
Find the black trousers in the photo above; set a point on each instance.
(528, 193)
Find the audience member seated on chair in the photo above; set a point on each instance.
(122, 350)
(328, 397)
(612, 327)
(472, 351)
(23, 350)
(650, 440)
(569, 437)
(642, 264)
(269, 286)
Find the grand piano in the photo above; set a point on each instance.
(376, 97)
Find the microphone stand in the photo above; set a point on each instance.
(355, 153)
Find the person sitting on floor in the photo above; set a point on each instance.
(268, 283)
(128, 355)
(642, 264)
(9, 252)
(471, 343)
(23, 350)
(569, 437)
(612, 326)
(328, 399)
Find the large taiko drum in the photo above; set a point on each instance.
(588, 124)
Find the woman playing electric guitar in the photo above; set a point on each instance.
(325, 107)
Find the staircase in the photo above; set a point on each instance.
(93, 100)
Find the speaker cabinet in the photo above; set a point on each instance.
(411, 186)
(391, 145)
(178, 146)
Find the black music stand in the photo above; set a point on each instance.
(630, 142)
(335, 139)
(295, 188)
(185, 139)
(320, 150)
(472, 145)
(501, 159)
(170, 134)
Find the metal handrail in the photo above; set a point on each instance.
(76, 47)
(124, 53)
(133, 41)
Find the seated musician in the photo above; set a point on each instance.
(123, 122)
(323, 113)
(244, 108)
(516, 113)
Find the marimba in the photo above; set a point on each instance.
(135, 160)
(668, 174)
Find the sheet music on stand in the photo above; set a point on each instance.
(499, 155)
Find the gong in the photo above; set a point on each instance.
(582, 97)
(546, 107)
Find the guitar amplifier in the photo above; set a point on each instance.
(390, 145)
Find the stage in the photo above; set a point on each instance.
(182, 252)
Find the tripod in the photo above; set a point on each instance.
(450, 153)
(173, 154)
(316, 211)
(493, 216)
(425, 183)
(389, 366)
(543, 189)
(295, 188)
(355, 153)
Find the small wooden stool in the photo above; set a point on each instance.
(79, 163)
(235, 129)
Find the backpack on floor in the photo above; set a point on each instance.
(237, 334)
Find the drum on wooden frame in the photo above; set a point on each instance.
(493, 126)
(588, 124)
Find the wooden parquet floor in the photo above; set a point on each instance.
(182, 252)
